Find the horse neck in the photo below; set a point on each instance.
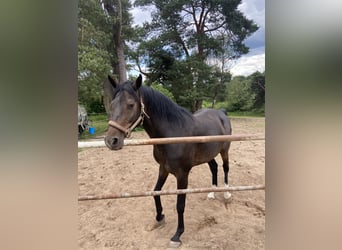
(151, 129)
(152, 124)
(160, 124)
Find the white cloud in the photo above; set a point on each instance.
(247, 65)
(255, 59)
(255, 10)
(141, 15)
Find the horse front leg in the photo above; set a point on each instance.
(182, 183)
(160, 218)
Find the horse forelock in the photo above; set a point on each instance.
(126, 86)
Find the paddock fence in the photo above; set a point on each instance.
(173, 140)
(171, 192)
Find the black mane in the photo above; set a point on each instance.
(163, 108)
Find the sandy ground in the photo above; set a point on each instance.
(209, 224)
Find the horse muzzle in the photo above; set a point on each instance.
(114, 142)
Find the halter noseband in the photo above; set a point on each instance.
(127, 131)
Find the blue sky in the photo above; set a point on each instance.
(255, 59)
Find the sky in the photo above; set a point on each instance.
(255, 59)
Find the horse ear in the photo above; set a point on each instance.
(138, 82)
(112, 81)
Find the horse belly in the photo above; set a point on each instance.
(173, 156)
(205, 152)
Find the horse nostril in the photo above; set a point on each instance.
(114, 141)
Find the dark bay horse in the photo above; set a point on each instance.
(133, 103)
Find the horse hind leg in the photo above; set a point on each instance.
(213, 169)
(225, 158)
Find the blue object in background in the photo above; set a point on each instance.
(91, 130)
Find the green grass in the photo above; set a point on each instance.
(246, 114)
(99, 122)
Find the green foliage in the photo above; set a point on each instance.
(239, 95)
(258, 88)
(97, 46)
(207, 104)
(246, 93)
(181, 38)
(97, 106)
(93, 67)
(163, 90)
(184, 26)
(186, 56)
(93, 56)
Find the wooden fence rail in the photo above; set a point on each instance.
(172, 140)
(170, 192)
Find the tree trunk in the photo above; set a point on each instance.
(107, 95)
(120, 69)
(196, 105)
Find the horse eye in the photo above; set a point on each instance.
(130, 106)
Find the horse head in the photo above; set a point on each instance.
(126, 112)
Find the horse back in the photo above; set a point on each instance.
(211, 122)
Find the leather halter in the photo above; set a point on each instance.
(127, 131)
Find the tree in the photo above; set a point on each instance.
(162, 90)
(104, 30)
(120, 20)
(220, 78)
(189, 32)
(239, 94)
(93, 57)
(258, 88)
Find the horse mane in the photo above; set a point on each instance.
(162, 107)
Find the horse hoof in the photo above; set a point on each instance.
(175, 244)
(211, 196)
(156, 224)
(227, 195)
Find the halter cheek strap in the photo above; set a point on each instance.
(127, 131)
